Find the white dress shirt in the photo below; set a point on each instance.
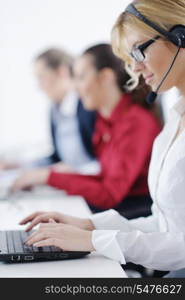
(69, 141)
(157, 241)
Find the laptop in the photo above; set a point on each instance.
(13, 249)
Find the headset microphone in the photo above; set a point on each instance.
(176, 35)
(153, 95)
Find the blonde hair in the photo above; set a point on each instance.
(165, 13)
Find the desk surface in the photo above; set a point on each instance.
(93, 265)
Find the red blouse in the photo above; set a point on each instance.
(123, 145)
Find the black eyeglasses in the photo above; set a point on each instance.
(138, 51)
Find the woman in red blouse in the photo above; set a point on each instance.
(124, 133)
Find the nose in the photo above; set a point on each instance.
(137, 67)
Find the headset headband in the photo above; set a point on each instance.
(132, 10)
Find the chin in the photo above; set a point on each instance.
(153, 87)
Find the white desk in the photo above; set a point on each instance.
(94, 265)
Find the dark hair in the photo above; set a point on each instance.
(55, 57)
(105, 58)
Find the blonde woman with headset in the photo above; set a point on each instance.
(145, 37)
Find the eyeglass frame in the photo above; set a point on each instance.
(142, 48)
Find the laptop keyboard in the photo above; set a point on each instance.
(12, 241)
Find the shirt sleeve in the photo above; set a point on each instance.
(112, 220)
(91, 168)
(105, 242)
(42, 162)
(146, 224)
(120, 171)
(157, 250)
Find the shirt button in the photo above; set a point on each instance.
(106, 137)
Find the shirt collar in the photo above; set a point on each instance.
(179, 107)
(68, 106)
(122, 106)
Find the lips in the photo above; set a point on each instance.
(148, 78)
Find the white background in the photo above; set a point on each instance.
(28, 27)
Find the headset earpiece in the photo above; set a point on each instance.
(178, 31)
